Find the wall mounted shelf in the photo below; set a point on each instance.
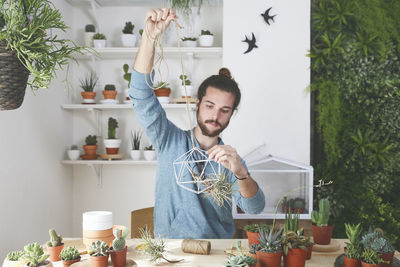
(118, 106)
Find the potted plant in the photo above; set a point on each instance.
(73, 152)
(376, 241)
(162, 92)
(69, 256)
(135, 142)
(296, 205)
(252, 232)
(112, 144)
(269, 252)
(90, 147)
(55, 245)
(189, 41)
(87, 86)
(189, 89)
(128, 37)
(99, 40)
(253, 250)
(89, 32)
(14, 259)
(370, 258)
(149, 153)
(109, 91)
(98, 252)
(206, 38)
(34, 256)
(127, 76)
(241, 259)
(118, 250)
(322, 232)
(294, 249)
(352, 255)
(29, 47)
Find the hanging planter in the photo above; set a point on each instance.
(28, 48)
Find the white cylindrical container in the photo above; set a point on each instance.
(128, 40)
(73, 154)
(99, 43)
(206, 40)
(97, 220)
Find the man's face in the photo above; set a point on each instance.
(214, 111)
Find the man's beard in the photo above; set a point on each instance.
(206, 131)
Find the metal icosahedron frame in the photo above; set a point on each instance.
(187, 173)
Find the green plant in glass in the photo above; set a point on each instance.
(112, 127)
(89, 82)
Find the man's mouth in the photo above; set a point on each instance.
(213, 123)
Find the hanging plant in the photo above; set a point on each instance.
(185, 6)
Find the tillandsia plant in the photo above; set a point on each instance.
(128, 28)
(119, 240)
(89, 82)
(376, 241)
(28, 31)
(154, 248)
(90, 28)
(70, 254)
(321, 217)
(240, 260)
(127, 75)
(353, 247)
(55, 240)
(206, 32)
(99, 248)
(270, 241)
(186, 6)
(34, 255)
(136, 137)
(112, 127)
(188, 39)
(99, 36)
(185, 80)
(91, 140)
(255, 228)
(109, 87)
(14, 255)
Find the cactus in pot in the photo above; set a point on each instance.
(322, 232)
(55, 245)
(112, 144)
(99, 252)
(119, 249)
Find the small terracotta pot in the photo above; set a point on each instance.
(272, 259)
(162, 92)
(322, 234)
(364, 264)
(55, 252)
(309, 252)
(90, 150)
(88, 95)
(252, 237)
(112, 150)
(118, 258)
(351, 262)
(296, 257)
(254, 256)
(99, 261)
(387, 257)
(68, 263)
(109, 94)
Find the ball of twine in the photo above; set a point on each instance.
(196, 246)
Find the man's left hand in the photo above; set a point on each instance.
(228, 157)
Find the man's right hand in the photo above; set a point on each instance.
(157, 21)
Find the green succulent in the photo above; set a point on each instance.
(294, 240)
(99, 248)
(127, 75)
(90, 28)
(240, 260)
(91, 140)
(135, 139)
(55, 240)
(70, 254)
(109, 87)
(187, 81)
(376, 241)
(371, 257)
(34, 254)
(150, 147)
(353, 247)
(255, 228)
(119, 241)
(89, 82)
(188, 39)
(74, 147)
(128, 29)
(99, 36)
(112, 127)
(321, 217)
(270, 241)
(141, 32)
(291, 224)
(206, 32)
(14, 255)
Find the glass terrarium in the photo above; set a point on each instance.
(284, 181)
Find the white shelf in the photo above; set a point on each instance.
(109, 162)
(116, 2)
(118, 106)
(126, 52)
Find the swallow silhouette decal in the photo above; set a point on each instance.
(267, 16)
(251, 43)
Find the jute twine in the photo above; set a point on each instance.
(13, 79)
(196, 246)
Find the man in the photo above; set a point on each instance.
(180, 213)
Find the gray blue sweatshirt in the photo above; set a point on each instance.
(179, 213)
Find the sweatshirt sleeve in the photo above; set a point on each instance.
(150, 113)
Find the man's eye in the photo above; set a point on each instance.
(208, 106)
(225, 111)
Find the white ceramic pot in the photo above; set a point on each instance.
(73, 154)
(163, 99)
(128, 40)
(112, 143)
(189, 43)
(149, 155)
(8, 263)
(88, 38)
(206, 40)
(189, 90)
(99, 43)
(97, 220)
(46, 264)
(135, 154)
(126, 94)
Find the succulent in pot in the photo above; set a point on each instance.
(370, 258)
(14, 259)
(322, 232)
(295, 249)
(162, 92)
(206, 38)
(73, 152)
(376, 241)
(90, 30)
(135, 144)
(88, 84)
(119, 248)
(189, 41)
(112, 144)
(128, 38)
(352, 255)
(269, 251)
(99, 40)
(241, 259)
(55, 245)
(253, 230)
(69, 256)
(34, 256)
(90, 147)
(149, 153)
(99, 252)
(186, 86)
(109, 91)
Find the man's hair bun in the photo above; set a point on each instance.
(225, 72)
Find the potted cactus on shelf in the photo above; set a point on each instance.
(135, 144)
(109, 91)
(322, 232)
(253, 230)
(88, 84)
(189, 88)
(89, 32)
(269, 251)
(149, 153)
(376, 241)
(73, 152)
(162, 92)
(189, 41)
(127, 76)
(69, 256)
(99, 252)
(206, 38)
(352, 255)
(14, 259)
(128, 38)
(90, 147)
(55, 245)
(112, 144)
(99, 40)
(34, 256)
(241, 259)
(119, 249)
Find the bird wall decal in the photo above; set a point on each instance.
(251, 43)
(267, 16)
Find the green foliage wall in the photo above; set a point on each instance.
(356, 85)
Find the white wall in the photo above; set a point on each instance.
(35, 190)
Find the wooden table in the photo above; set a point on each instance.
(217, 256)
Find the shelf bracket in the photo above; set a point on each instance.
(98, 171)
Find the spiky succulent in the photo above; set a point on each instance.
(55, 239)
(99, 248)
(91, 140)
(34, 254)
(291, 224)
(371, 257)
(240, 260)
(255, 228)
(119, 240)
(270, 241)
(70, 254)
(353, 248)
(15, 255)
